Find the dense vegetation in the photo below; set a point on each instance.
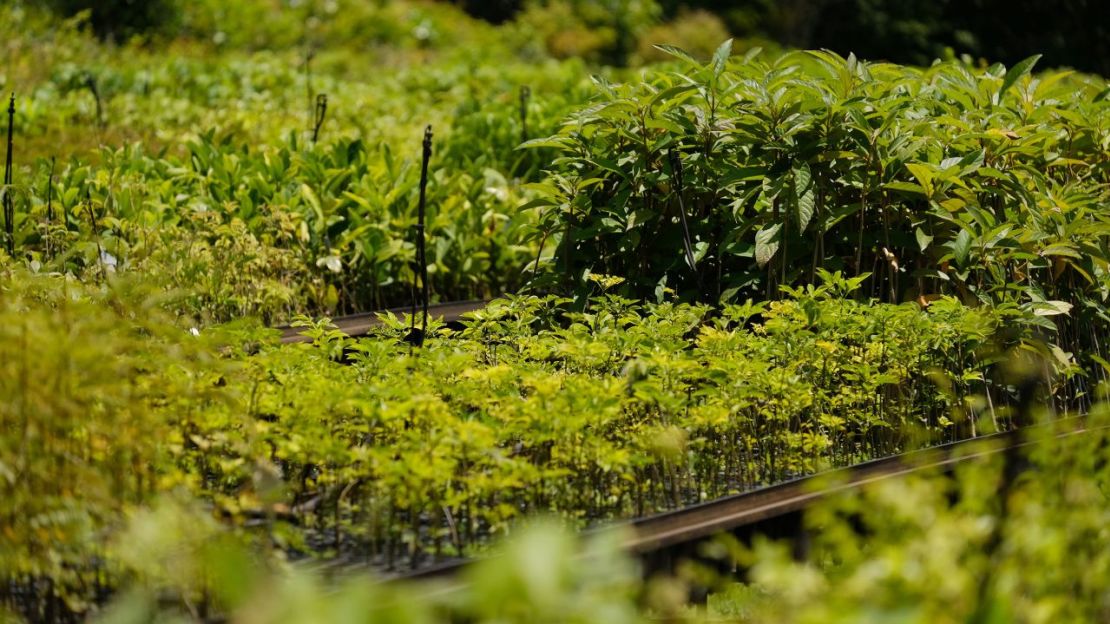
(723, 269)
(617, 411)
(989, 186)
(1071, 33)
(225, 196)
(970, 548)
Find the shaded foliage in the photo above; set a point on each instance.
(120, 19)
(988, 185)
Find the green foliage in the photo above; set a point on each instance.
(543, 574)
(927, 548)
(276, 24)
(971, 547)
(694, 31)
(619, 410)
(894, 233)
(985, 185)
(785, 163)
(1071, 33)
(657, 407)
(121, 19)
(605, 31)
(94, 385)
(261, 24)
(248, 217)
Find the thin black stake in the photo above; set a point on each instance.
(9, 206)
(321, 112)
(309, 54)
(420, 230)
(65, 219)
(676, 172)
(50, 191)
(90, 83)
(50, 209)
(95, 232)
(525, 95)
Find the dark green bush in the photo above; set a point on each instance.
(740, 177)
(1071, 33)
(122, 19)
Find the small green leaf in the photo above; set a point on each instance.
(700, 249)
(1051, 308)
(720, 58)
(728, 294)
(677, 53)
(333, 263)
(555, 141)
(923, 239)
(906, 187)
(1060, 249)
(667, 95)
(1101, 362)
(1017, 71)
(314, 202)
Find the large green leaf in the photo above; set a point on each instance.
(961, 247)
(767, 244)
(805, 195)
(313, 201)
(924, 175)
